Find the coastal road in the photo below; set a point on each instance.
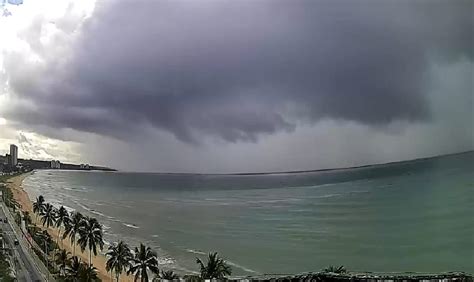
(26, 268)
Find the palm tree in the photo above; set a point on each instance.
(73, 269)
(38, 206)
(45, 238)
(72, 228)
(90, 235)
(216, 267)
(27, 218)
(88, 273)
(119, 258)
(61, 219)
(62, 260)
(144, 259)
(334, 269)
(48, 216)
(168, 275)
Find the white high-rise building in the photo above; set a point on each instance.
(13, 155)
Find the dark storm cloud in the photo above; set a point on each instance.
(237, 69)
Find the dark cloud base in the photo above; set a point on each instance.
(239, 69)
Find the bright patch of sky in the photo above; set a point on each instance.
(17, 20)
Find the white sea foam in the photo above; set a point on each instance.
(195, 252)
(325, 196)
(130, 225)
(97, 213)
(166, 260)
(240, 266)
(82, 206)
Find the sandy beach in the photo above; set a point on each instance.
(20, 195)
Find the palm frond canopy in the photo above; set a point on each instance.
(73, 226)
(38, 205)
(119, 256)
(48, 216)
(62, 216)
(215, 268)
(169, 275)
(144, 259)
(91, 235)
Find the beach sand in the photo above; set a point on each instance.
(20, 195)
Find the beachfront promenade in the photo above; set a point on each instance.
(28, 267)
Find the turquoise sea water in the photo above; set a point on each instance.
(414, 216)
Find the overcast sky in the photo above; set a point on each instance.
(232, 86)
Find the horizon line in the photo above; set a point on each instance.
(301, 171)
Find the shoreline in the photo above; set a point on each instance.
(21, 196)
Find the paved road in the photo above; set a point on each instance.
(26, 268)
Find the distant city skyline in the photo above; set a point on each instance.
(233, 86)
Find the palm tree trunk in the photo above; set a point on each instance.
(74, 248)
(59, 233)
(90, 256)
(144, 275)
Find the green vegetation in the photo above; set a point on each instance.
(335, 269)
(5, 268)
(38, 206)
(48, 215)
(144, 259)
(77, 270)
(88, 234)
(168, 275)
(72, 227)
(215, 268)
(119, 259)
(91, 236)
(61, 259)
(62, 217)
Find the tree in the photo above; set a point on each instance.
(119, 256)
(216, 267)
(62, 259)
(27, 218)
(45, 239)
(62, 218)
(335, 269)
(73, 269)
(72, 228)
(91, 236)
(88, 273)
(168, 275)
(38, 206)
(48, 216)
(144, 259)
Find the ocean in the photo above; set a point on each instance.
(411, 216)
